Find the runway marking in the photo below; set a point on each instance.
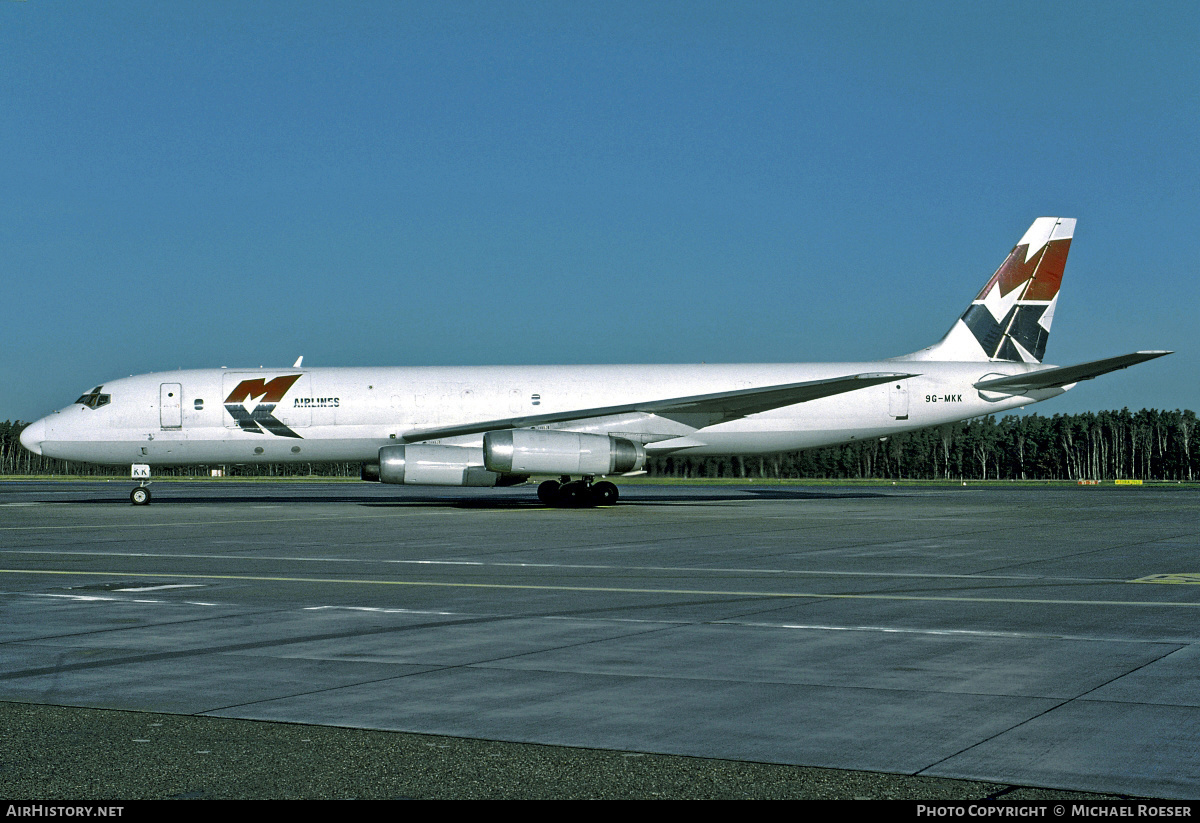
(378, 610)
(92, 598)
(160, 588)
(215, 522)
(83, 597)
(582, 566)
(617, 589)
(970, 633)
(750, 624)
(1180, 577)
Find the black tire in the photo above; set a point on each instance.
(140, 496)
(605, 493)
(548, 492)
(568, 495)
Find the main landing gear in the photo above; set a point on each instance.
(582, 493)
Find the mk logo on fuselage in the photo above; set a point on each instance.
(267, 394)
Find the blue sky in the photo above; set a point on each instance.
(231, 183)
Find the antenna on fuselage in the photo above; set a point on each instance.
(296, 365)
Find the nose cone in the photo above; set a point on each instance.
(33, 435)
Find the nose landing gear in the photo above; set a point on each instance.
(140, 496)
(582, 493)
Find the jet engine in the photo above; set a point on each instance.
(423, 465)
(538, 451)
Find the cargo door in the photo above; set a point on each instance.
(170, 405)
(898, 400)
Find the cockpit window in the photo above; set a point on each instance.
(94, 399)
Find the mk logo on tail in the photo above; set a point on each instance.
(1011, 317)
(267, 395)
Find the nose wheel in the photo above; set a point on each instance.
(581, 493)
(140, 496)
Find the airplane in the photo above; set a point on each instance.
(502, 425)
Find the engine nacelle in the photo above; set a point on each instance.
(538, 451)
(421, 465)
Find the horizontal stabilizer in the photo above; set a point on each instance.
(699, 410)
(1059, 376)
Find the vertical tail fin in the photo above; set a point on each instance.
(1011, 317)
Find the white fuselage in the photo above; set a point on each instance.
(348, 414)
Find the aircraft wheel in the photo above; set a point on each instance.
(140, 496)
(605, 493)
(569, 494)
(548, 492)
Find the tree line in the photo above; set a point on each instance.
(1147, 445)
(1108, 445)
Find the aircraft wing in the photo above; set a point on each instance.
(697, 410)
(1065, 375)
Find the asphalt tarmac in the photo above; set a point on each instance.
(240, 639)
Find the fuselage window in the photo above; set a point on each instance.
(199, 404)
